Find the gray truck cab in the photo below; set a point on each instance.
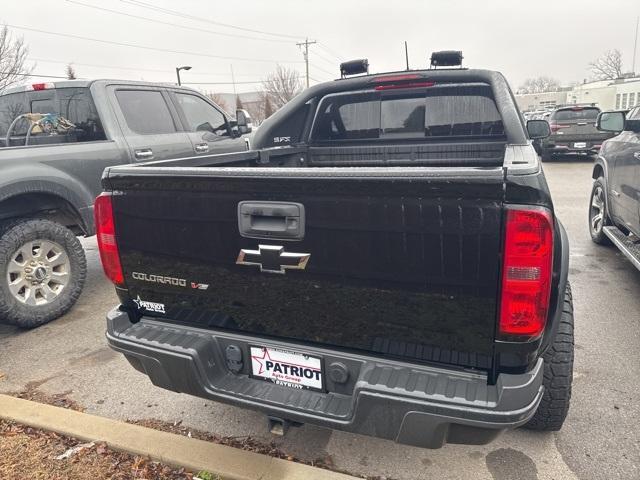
(55, 141)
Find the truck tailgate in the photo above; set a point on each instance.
(400, 262)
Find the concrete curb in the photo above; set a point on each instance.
(228, 462)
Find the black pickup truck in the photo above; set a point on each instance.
(386, 261)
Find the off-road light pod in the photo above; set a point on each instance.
(446, 58)
(526, 273)
(354, 67)
(106, 234)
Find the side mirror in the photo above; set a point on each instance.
(243, 121)
(610, 122)
(538, 129)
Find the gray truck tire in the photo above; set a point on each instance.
(598, 207)
(558, 374)
(42, 271)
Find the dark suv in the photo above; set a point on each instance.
(573, 130)
(614, 209)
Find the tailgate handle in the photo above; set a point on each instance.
(277, 220)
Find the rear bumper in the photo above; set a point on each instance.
(562, 145)
(410, 404)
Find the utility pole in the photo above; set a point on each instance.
(635, 45)
(233, 81)
(305, 53)
(406, 54)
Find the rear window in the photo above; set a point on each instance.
(577, 114)
(439, 112)
(73, 104)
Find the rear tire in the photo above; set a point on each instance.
(598, 215)
(42, 271)
(545, 156)
(558, 374)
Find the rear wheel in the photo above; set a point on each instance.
(545, 155)
(558, 374)
(42, 272)
(598, 216)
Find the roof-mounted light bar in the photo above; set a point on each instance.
(354, 67)
(446, 58)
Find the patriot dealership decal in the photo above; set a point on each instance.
(285, 368)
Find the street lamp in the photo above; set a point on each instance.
(178, 72)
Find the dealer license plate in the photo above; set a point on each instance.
(580, 145)
(286, 368)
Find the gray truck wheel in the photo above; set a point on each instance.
(558, 374)
(598, 216)
(42, 271)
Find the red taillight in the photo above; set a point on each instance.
(39, 86)
(557, 126)
(107, 244)
(526, 273)
(396, 86)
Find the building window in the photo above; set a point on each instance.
(624, 101)
(618, 101)
(632, 99)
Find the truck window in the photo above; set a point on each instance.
(450, 111)
(145, 111)
(577, 114)
(200, 115)
(74, 104)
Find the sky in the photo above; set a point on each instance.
(556, 38)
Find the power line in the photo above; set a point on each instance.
(329, 51)
(36, 75)
(141, 4)
(116, 67)
(144, 47)
(147, 19)
(323, 70)
(324, 58)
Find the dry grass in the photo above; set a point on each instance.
(29, 453)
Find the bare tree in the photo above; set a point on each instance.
(282, 85)
(268, 107)
(539, 85)
(608, 66)
(239, 105)
(70, 72)
(13, 59)
(218, 100)
(256, 110)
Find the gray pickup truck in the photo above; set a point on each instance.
(55, 141)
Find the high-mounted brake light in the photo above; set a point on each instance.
(396, 78)
(396, 86)
(526, 273)
(39, 86)
(107, 242)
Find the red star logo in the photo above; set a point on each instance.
(265, 356)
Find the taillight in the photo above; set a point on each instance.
(107, 242)
(526, 273)
(557, 126)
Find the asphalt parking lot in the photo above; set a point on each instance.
(600, 439)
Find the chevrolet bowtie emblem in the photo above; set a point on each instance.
(273, 259)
